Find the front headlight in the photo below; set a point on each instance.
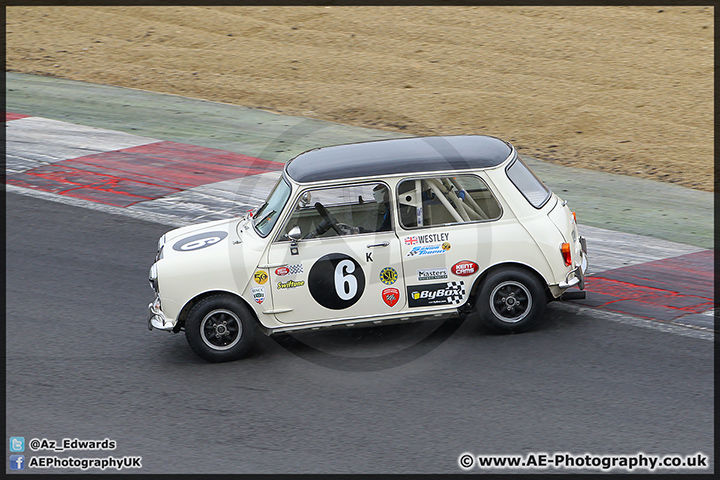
(153, 279)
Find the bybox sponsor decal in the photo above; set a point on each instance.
(260, 277)
(290, 284)
(448, 293)
(388, 275)
(289, 270)
(429, 238)
(258, 294)
(391, 296)
(465, 268)
(201, 240)
(424, 250)
(336, 281)
(425, 274)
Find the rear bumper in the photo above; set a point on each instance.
(577, 276)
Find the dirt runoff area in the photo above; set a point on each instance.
(621, 89)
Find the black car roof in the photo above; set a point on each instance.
(398, 156)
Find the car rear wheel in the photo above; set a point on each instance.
(219, 328)
(511, 300)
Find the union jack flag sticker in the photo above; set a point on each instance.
(411, 240)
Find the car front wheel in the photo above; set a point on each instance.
(511, 300)
(219, 328)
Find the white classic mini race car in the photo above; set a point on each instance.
(372, 233)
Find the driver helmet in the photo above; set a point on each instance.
(380, 193)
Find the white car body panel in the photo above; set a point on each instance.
(276, 284)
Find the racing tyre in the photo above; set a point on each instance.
(511, 300)
(220, 328)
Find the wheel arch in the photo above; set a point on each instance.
(477, 285)
(182, 316)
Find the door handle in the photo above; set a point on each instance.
(381, 244)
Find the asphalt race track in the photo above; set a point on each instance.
(82, 364)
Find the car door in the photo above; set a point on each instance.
(351, 270)
(446, 237)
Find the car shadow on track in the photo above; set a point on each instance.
(378, 347)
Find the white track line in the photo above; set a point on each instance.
(34, 141)
(154, 217)
(676, 329)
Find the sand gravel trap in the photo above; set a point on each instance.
(620, 89)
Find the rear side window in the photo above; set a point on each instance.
(529, 185)
(425, 202)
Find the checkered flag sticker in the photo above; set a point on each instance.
(457, 298)
(295, 269)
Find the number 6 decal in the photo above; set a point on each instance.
(336, 281)
(201, 240)
(345, 285)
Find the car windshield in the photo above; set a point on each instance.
(265, 218)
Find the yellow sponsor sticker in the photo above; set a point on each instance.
(290, 284)
(260, 277)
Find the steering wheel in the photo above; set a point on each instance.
(328, 220)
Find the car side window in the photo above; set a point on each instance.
(424, 202)
(532, 188)
(346, 210)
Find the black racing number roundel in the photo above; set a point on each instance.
(201, 240)
(336, 281)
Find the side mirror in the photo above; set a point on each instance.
(294, 234)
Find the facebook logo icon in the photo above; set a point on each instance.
(17, 462)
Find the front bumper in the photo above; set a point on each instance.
(577, 276)
(157, 318)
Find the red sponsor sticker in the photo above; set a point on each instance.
(465, 268)
(282, 271)
(391, 296)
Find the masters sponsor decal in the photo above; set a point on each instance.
(448, 293)
(426, 274)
